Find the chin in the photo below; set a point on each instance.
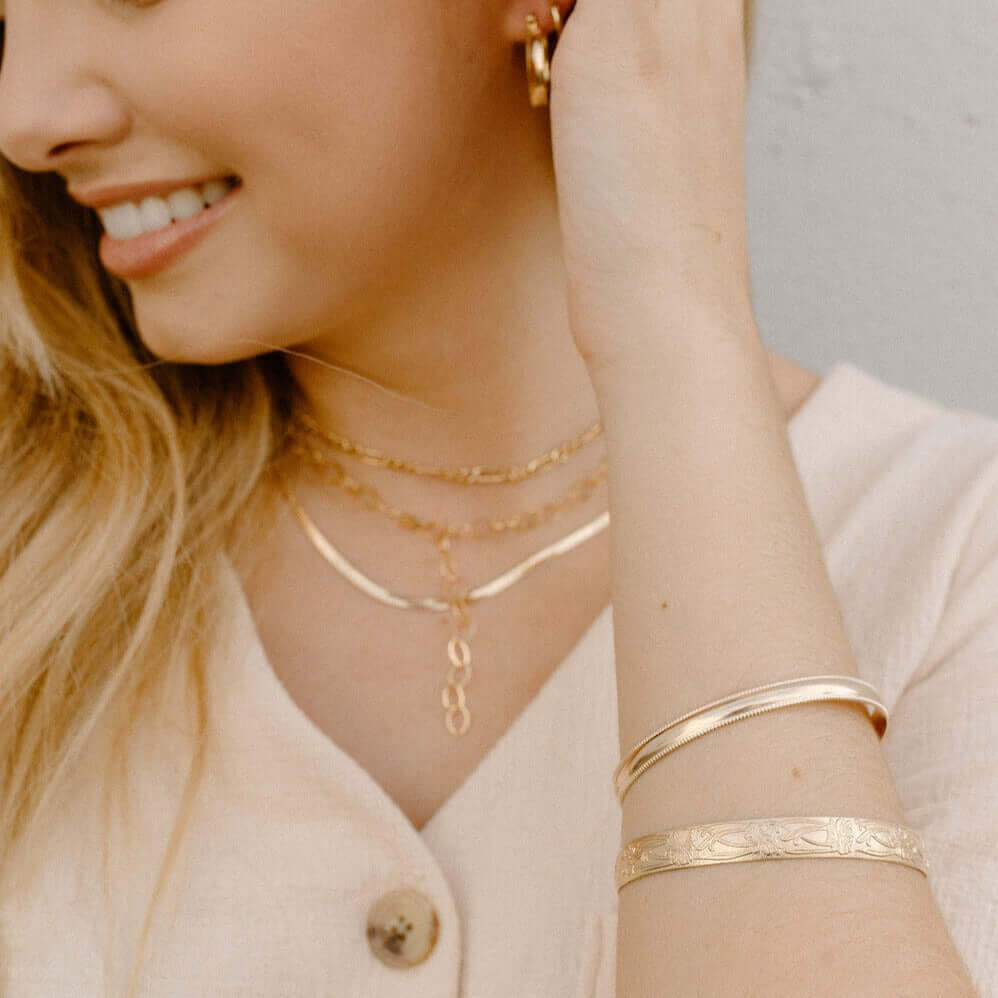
(197, 349)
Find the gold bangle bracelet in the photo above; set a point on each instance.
(770, 838)
(735, 707)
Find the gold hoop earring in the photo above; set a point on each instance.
(538, 58)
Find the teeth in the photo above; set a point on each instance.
(130, 219)
(214, 191)
(183, 204)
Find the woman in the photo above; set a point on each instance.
(261, 737)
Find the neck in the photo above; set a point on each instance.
(465, 355)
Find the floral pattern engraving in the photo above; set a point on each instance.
(844, 834)
(769, 838)
(765, 837)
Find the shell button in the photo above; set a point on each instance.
(402, 928)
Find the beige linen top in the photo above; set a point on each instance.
(293, 841)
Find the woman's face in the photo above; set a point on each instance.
(358, 131)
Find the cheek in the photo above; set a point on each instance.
(351, 144)
(341, 117)
(347, 152)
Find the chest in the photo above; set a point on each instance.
(372, 678)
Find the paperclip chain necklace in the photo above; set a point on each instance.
(305, 439)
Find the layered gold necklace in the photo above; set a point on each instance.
(312, 443)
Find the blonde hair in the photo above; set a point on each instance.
(122, 478)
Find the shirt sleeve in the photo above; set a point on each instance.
(945, 725)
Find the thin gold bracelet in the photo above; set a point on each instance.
(737, 706)
(770, 838)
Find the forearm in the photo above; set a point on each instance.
(709, 517)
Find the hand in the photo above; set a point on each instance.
(647, 121)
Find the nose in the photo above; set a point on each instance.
(55, 107)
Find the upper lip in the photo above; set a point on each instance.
(101, 197)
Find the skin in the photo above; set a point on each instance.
(398, 231)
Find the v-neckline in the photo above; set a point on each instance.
(289, 706)
(302, 720)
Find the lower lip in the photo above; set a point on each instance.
(152, 251)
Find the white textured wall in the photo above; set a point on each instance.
(872, 173)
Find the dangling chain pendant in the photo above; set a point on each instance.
(457, 717)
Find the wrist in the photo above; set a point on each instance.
(677, 347)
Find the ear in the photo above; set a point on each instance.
(514, 25)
